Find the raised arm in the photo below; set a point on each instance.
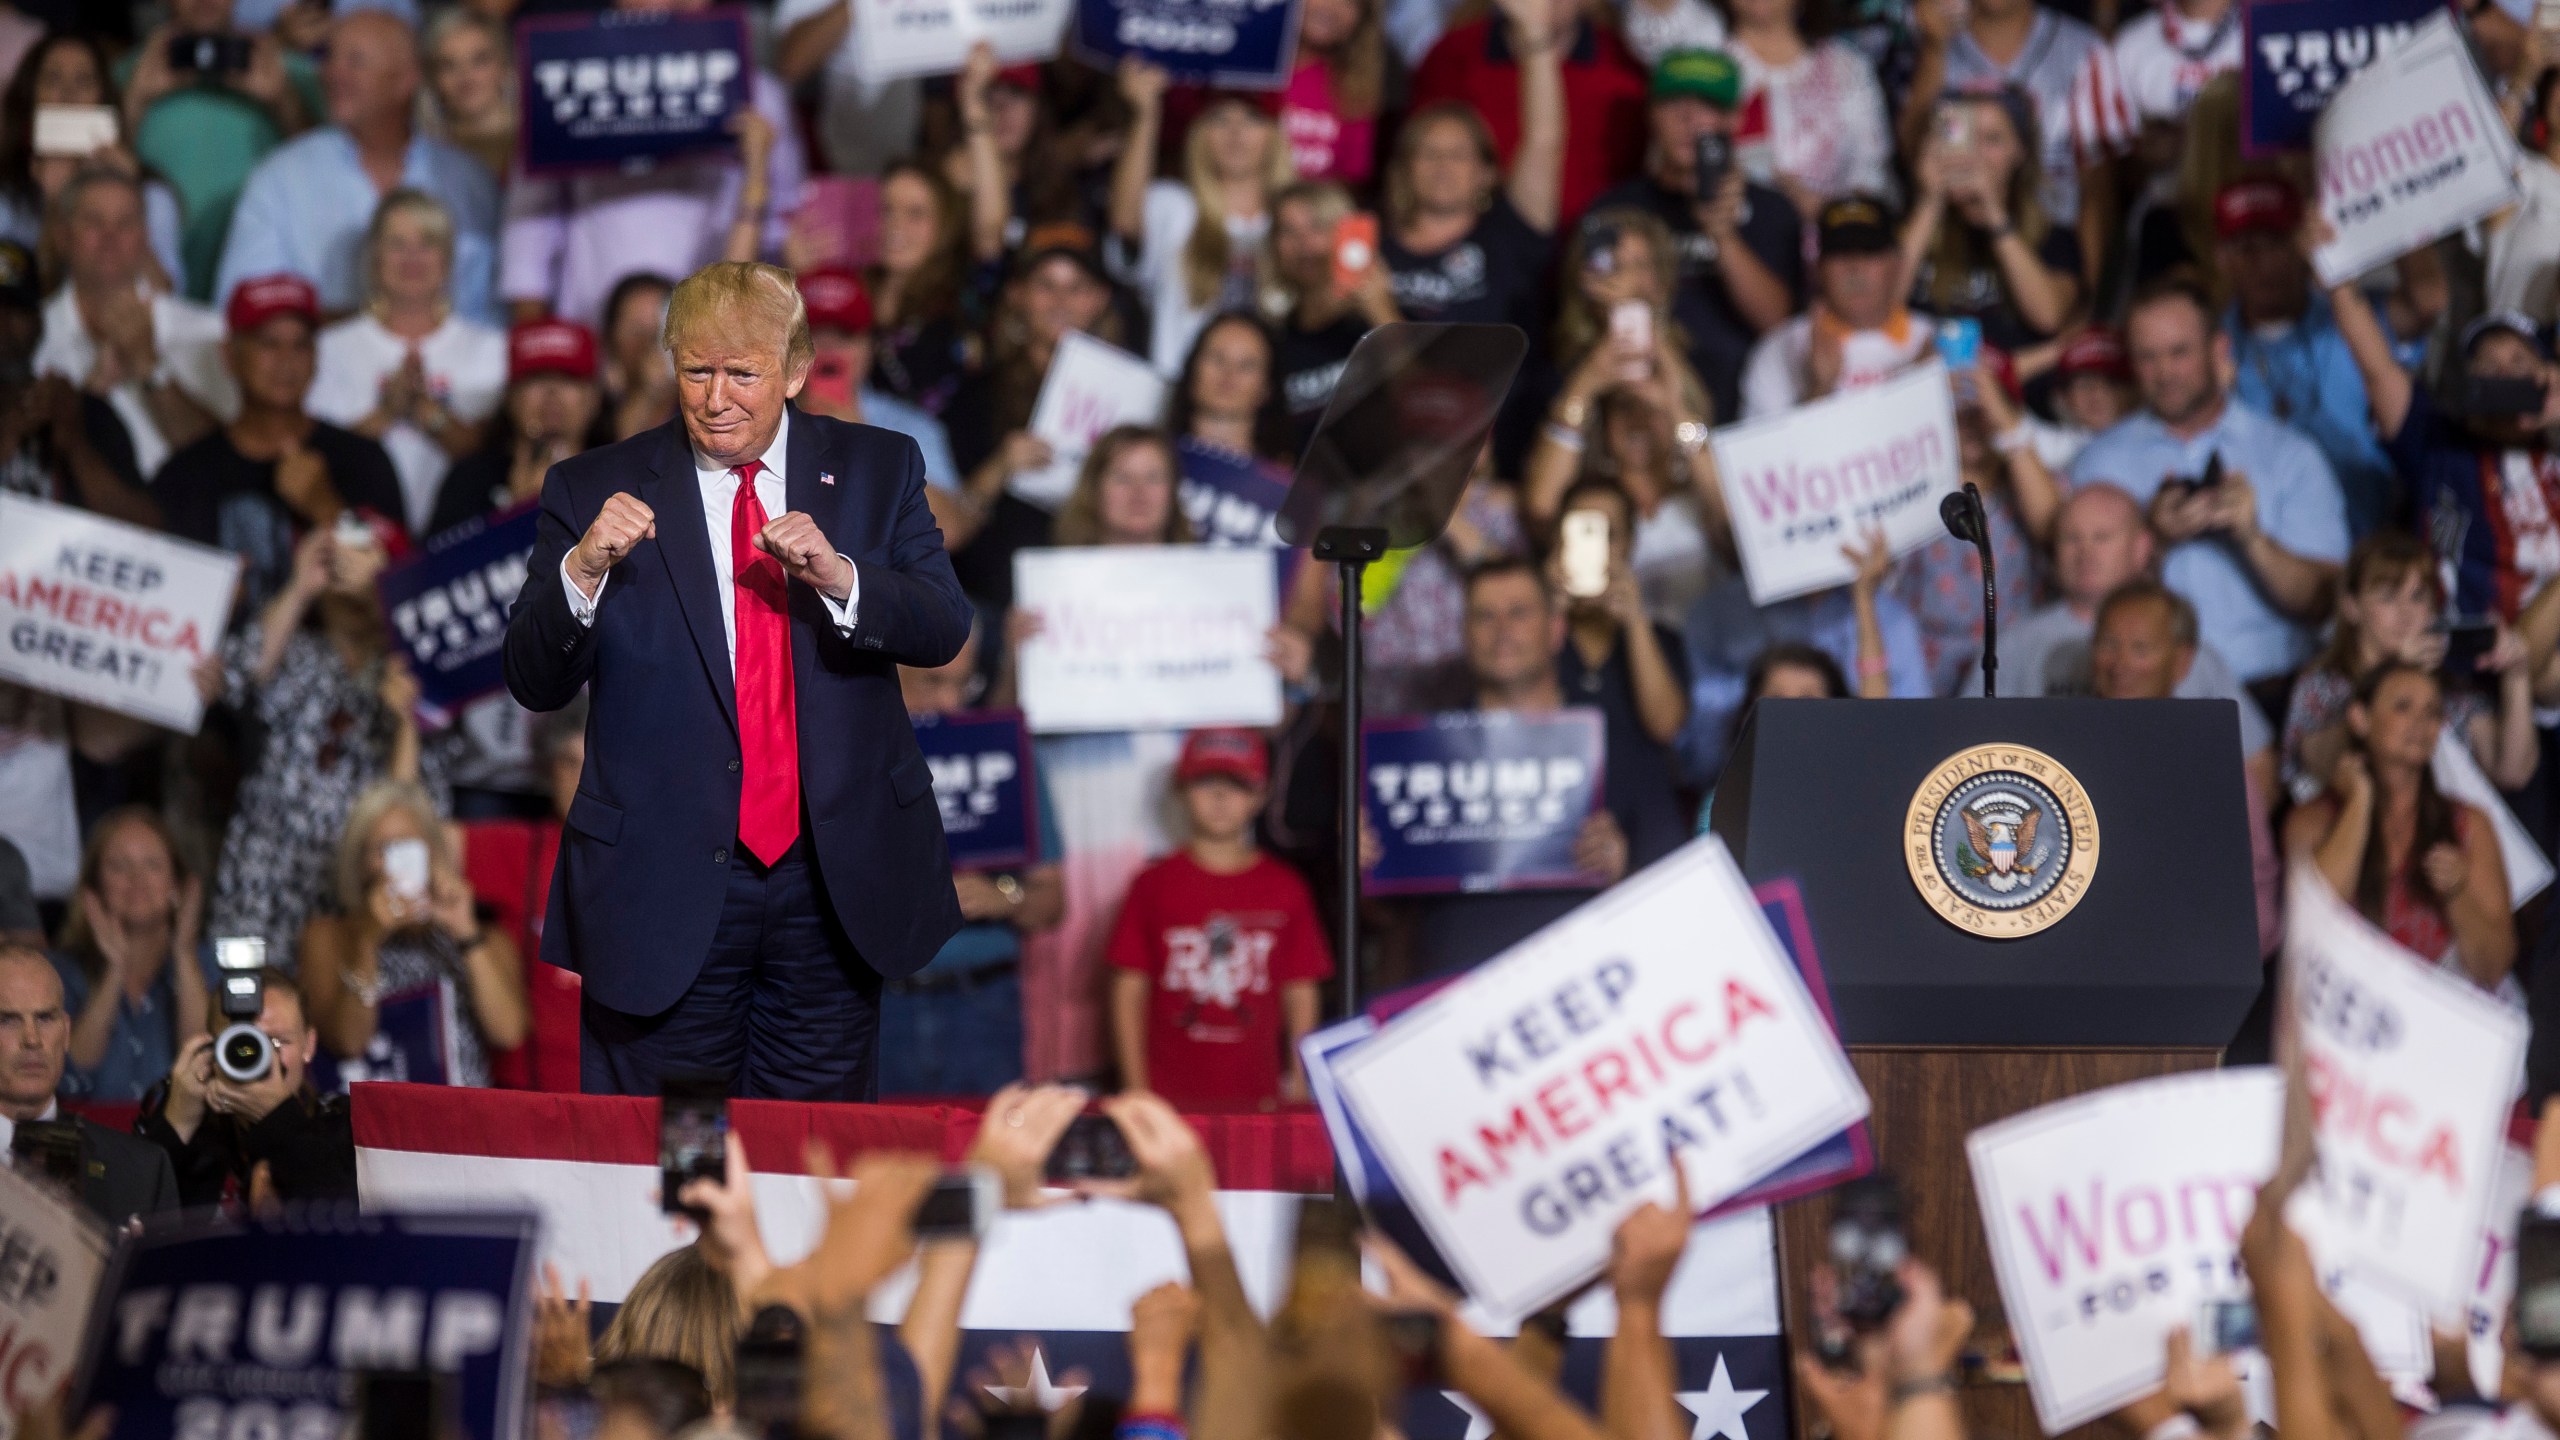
(1537, 164)
(990, 198)
(2387, 387)
(1142, 85)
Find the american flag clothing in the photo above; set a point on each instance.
(2164, 58)
(2067, 69)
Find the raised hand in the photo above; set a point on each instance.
(1021, 1126)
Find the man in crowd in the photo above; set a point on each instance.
(1857, 331)
(126, 1177)
(1515, 629)
(2257, 551)
(306, 207)
(1741, 244)
(220, 1133)
(255, 485)
(2291, 360)
(204, 128)
(154, 357)
(57, 442)
(2145, 648)
(840, 373)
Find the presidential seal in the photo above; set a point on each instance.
(2001, 840)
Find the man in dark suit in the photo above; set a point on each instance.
(127, 1176)
(754, 843)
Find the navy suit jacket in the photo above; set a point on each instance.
(644, 851)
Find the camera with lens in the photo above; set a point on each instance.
(242, 1051)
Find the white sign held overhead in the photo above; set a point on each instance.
(2410, 149)
(894, 39)
(1137, 637)
(1802, 485)
(1091, 388)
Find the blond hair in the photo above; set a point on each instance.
(680, 1309)
(353, 868)
(1209, 251)
(430, 212)
(725, 295)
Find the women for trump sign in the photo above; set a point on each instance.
(1528, 1108)
(1135, 637)
(1801, 485)
(2410, 149)
(109, 614)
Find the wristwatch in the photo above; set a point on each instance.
(1690, 436)
(1010, 889)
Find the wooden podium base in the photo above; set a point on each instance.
(1925, 1102)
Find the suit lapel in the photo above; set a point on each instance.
(684, 543)
(802, 492)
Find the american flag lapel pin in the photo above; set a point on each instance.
(826, 477)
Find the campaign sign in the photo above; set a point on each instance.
(2112, 1216)
(893, 39)
(1475, 800)
(1238, 44)
(1230, 499)
(1091, 387)
(1140, 637)
(1802, 484)
(2493, 1274)
(981, 762)
(625, 88)
(109, 614)
(239, 1327)
(2413, 148)
(1529, 1107)
(2298, 52)
(448, 609)
(52, 1256)
(2411, 1071)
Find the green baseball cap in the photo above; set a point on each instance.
(1708, 75)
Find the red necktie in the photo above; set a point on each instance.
(768, 732)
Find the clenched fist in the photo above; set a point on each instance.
(807, 555)
(623, 523)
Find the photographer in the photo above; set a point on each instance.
(221, 1132)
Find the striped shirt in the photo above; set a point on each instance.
(2081, 106)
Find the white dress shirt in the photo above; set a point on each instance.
(719, 486)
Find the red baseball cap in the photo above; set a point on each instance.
(2003, 371)
(1227, 753)
(2094, 351)
(551, 347)
(2260, 202)
(1025, 78)
(836, 299)
(255, 302)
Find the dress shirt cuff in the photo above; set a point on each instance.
(847, 611)
(579, 605)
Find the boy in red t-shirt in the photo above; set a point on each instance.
(1218, 951)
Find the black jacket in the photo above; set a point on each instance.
(127, 1176)
(308, 1144)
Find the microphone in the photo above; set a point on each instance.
(1962, 513)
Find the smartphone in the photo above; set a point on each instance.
(2466, 644)
(208, 54)
(1960, 342)
(2223, 1326)
(1414, 1335)
(54, 1150)
(351, 533)
(1631, 333)
(1092, 1149)
(1955, 127)
(831, 380)
(404, 869)
(2211, 479)
(402, 1405)
(1584, 552)
(1355, 249)
(75, 131)
(1715, 160)
(772, 1357)
(693, 1139)
(2538, 1285)
(1600, 250)
(961, 1205)
(2495, 395)
(1868, 1244)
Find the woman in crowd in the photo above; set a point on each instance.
(1602, 352)
(70, 69)
(1053, 290)
(1226, 399)
(1462, 239)
(1788, 670)
(1616, 656)
(1196, 239)
(1013, 161)
(1675, 507)
(2391, 611)
(407, 372)
(2422, 866)
(470, 98)
(1109, 786)
(405, 962)
(552, 410)
(1826, 133)
(315, 669)
(133, 962)
(1329, 111)
(1942, 583)
(1977, 243)
(1324, 305)
(921, 326)
(639, 384)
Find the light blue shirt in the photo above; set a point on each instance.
(891, 413)
(2299, 507)
(261, 14)
(2306, 377)
(306, 206)
(1726, 632)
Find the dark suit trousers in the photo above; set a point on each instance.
(783, 1009)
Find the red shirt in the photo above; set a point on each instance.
(1218, 947)
(1604, 100)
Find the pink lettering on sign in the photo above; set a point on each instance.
(1785, 491)
(2401, 151)
(2134, 1222)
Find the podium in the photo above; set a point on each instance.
(2015, 901)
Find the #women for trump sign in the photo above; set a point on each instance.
(2412, 148)
(1139, 637)
(1478, 800)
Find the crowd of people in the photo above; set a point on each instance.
(306, 306)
